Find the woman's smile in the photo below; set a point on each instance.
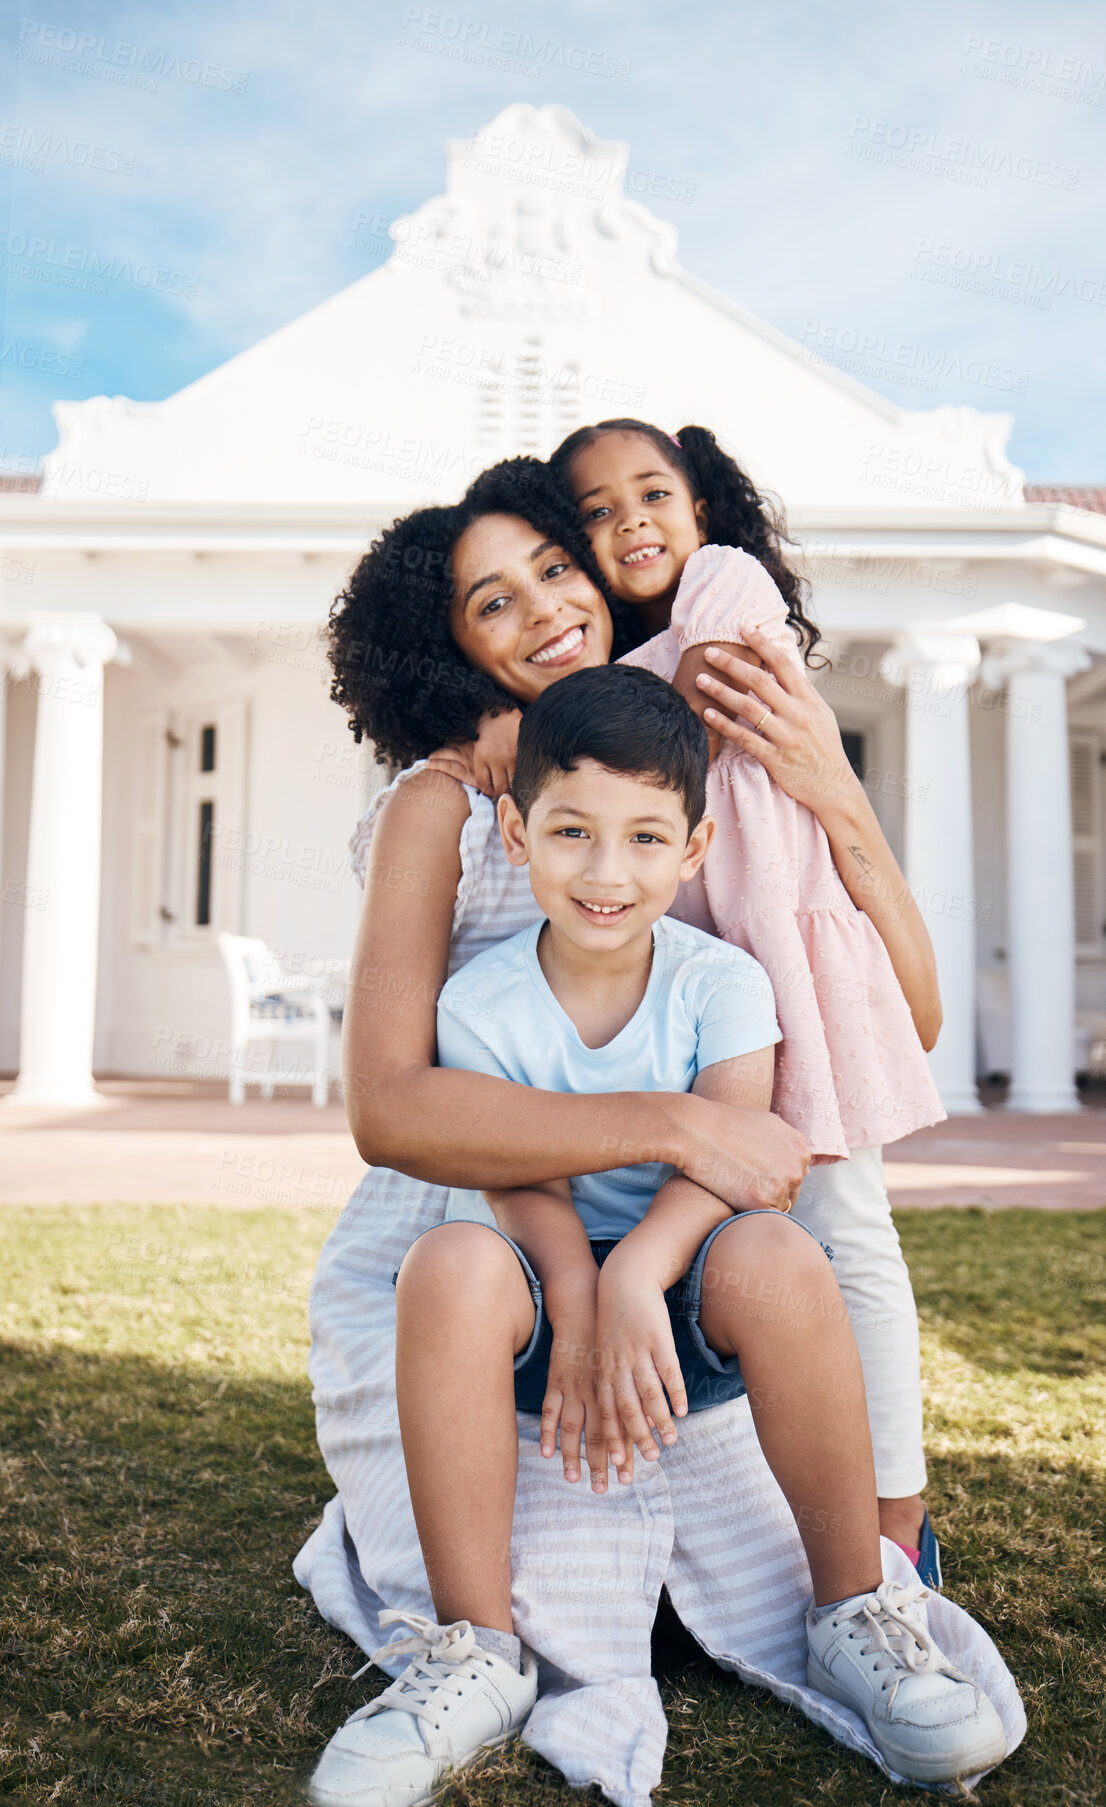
(562, 650)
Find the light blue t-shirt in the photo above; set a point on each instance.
(705, 1002)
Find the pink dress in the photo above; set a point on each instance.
(850, 1072)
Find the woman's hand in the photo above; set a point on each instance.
(776, 714)
(751, 1159)
(637, 1362)
(488, 762)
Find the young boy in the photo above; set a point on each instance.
(612, 1303)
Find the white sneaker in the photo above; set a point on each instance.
(452, 1701)
(876, 1654)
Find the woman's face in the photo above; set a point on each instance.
(522, 611)
(639, 514)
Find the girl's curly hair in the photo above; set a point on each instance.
(398, 672)
(737, 513)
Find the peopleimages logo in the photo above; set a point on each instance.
(962, 159)
(902, 360)
(40, 357)
(112, 59)
(1038, 70)
(476, 41)
(24, 147)
(1009, 279)
(74, 266)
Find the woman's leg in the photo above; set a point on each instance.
(846, 1206)
(769, 1297)
(463, 1312)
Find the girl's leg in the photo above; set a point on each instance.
(463, 1312)
(769, 1297)
(847, 1207)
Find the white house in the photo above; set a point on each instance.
(164, 587)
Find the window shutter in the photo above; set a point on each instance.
(1086, 843)
(231, 722)
(148, 829)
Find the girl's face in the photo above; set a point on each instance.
(522, 611)
(640, 515)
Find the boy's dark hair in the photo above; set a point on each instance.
(626, 720)
(398, 673)
(737, 513)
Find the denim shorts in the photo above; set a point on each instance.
(709, 1379)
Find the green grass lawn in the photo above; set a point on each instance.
(160, 1470)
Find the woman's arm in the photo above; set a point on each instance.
(467, 1129)
(799, 745)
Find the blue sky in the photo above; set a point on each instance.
(858, 174)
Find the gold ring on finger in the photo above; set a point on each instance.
(763, 719)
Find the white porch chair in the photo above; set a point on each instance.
(272, 1007)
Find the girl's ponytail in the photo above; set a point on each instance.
(739, 515)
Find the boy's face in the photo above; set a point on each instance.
(607, 853)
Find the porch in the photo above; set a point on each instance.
(181, 1142)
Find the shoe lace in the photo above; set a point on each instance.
(897, 1636)
(442, 1659)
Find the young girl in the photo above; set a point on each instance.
(679, 533)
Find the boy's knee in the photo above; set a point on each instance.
(454, 1259)
(769, 1241)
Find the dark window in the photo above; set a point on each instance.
(854, 752)
(203, 865)
(207, 748)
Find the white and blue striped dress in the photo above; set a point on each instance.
(706, 1519)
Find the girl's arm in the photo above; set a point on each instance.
(693, 663)
(799, 745)
(456, 1128)
(727, 596)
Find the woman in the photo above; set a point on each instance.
(437, 891)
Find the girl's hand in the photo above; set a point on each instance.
(455, 762)
(779, 718)
(488, 762)
(570, 1404)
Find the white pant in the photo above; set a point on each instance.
(846, 1205)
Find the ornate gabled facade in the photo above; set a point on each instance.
(173, 570)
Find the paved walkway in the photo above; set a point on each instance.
(179, 1142)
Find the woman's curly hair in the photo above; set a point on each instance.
(398, 672)
(737, 513)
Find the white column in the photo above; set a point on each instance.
(3, 745)
(1040, 904)
(67, 654)
(935, 669)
